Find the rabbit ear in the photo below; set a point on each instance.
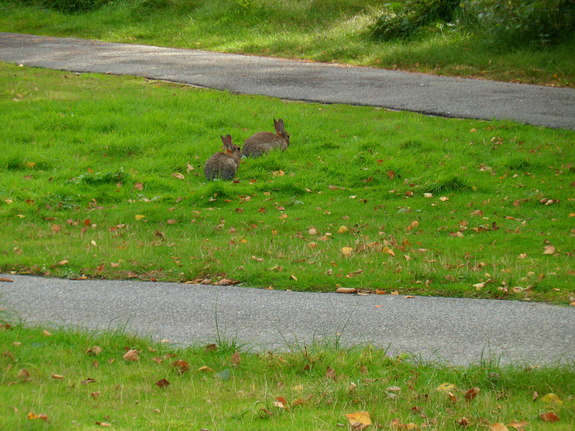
(227, 141)
(279, 125)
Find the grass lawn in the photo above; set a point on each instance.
(103, 177)
(326, 30)
(65, 380)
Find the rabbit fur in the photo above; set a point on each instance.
(224, 165)
(263, 142)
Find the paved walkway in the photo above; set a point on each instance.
(460, 331)
(300, 80)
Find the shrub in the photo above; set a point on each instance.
(519, 22)
(69, 6)
(403, 20)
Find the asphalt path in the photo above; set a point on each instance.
(458, 331)
(450, 330)
(301, 80)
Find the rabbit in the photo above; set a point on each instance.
(224, 165)
(263, 142)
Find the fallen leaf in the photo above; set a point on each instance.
(472, 393)
(413, 225)
(445, 387)
(551, 399)
(180, 366)
(139, 186)
(549, 417)
(103, 424)
(359, 420)
(330, 373)
(57, 376)
(549, 249)
(293, 277)
(236, 359)
(346, 290)
(163, 383)
(343, 229)
(139, 217)
(518, 425)
(206, 369)
(463, 422)
(24, 374)
(443, 198)
(88, 381)
(131, 355)
(93, 351)
(6, 280)
(281, 403)
(34, 416)
(178, 176)
(396, 424)
(498, 427)
(347, 251)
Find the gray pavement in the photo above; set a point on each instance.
(300, 80)
(457, 331)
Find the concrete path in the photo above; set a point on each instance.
(460, 331)
(300, 80)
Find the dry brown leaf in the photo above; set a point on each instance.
(343, 229)
(93, 351)
(103, 424)
(413, 225)
(24, 374)
(163, 383)
(498, 427)
(178, 176)
(346, 290)
(549, 417)
(6, 280)
(206, 369)
(330, 373)
(518, 425)
(281, 403)
(57, 376)
(180, 366)
(131, 355)
(472, 393)
(549, 249)
(463, 422)
(236, 359)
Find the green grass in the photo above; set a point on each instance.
(326, 30)
(67, 380)
(88, 189)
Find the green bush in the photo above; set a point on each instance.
(520, 22)
(69, 6)
(401, 20)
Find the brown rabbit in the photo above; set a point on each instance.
(225, 164)
(263, 142)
